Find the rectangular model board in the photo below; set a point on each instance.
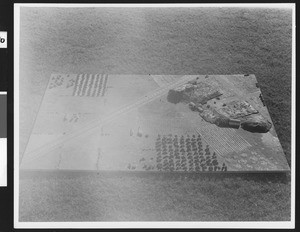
(106, 122)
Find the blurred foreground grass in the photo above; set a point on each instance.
(118, 197)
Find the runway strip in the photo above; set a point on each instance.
(163, 80)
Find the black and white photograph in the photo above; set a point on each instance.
(154, 115)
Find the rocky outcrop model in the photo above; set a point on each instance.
(256, 123)
(234, 114)
(197, 92)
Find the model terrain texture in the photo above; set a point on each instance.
(155, 123)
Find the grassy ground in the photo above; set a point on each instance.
(116, 197)
(156, 41)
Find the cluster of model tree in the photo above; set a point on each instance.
(174, 153)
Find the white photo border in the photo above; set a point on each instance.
(177, 224)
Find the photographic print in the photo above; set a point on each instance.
(178, 115)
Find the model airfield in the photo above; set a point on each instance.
(155, 123)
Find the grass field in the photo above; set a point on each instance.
(156, 41)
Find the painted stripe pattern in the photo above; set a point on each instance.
(90, 85)
(222, 140)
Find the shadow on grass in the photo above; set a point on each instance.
(258, 177)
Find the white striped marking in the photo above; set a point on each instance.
(223, 140)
